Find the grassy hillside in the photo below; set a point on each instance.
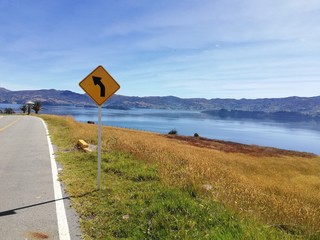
(160, 187)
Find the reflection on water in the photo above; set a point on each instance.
(302, 136)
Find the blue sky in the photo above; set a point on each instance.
(190, 48)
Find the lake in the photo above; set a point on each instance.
(300, 136)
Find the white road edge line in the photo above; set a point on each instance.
(61, 212)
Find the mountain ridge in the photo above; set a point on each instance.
(309, 106)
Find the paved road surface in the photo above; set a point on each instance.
(27, 199)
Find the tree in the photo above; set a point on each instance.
(24, 108)
(37, 107)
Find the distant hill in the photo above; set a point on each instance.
(47, 97)
(303, 106)
(3, 90)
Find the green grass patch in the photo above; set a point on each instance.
(134, 204)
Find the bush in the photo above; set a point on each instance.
(8, 111)
(173, 132)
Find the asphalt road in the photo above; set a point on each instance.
(28, 204)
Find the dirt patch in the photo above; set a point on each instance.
(232, 147)
(38, 235)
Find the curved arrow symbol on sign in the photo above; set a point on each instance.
(97, 81)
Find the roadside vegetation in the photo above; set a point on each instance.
(25, 108)
(172, 187)
(37, 106)
(7, 111)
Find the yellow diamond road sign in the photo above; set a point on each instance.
(99, 85)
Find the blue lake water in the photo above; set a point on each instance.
(300, 136)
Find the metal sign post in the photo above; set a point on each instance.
(100, 86)
(99, 146)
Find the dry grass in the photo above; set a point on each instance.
(278, 187)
